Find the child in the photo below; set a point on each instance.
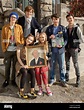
(41, 71)
(24, 70)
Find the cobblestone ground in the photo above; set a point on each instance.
(71, 94)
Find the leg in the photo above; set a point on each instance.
(14, 59)
(61, 58)
(38, 79)
(24, 73)
(67, 62)
(52, 70)
(32, 76)
(45, 80)
(44, 75)
(38, 76)
(7, 62)
(76, 66)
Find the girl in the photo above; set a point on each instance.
(24, 70)
(41, 71)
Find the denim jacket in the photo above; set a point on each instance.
(49, 32)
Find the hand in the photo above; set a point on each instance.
(37, 35)
(52, 36)
(59, 46)
(46, 58)
(25, 66)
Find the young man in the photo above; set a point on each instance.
(58, 51)
(72, 47)
(28, 22)
(12, 35)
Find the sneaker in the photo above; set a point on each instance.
(51, 83)
(64, 84)
(5, 84)
(78, 82)
(49, 93)
(67, 77)
(40, 92)
(33, 94)
(22, 95)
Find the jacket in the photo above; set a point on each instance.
(74, 38)
(6, 34)
(49, 32)
(34, 24)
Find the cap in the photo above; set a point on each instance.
(14, 14)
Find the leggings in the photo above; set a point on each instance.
(24, 76)
(41, 71)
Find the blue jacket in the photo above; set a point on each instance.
(49, 32)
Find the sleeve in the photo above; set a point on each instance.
(37, 25)
(21, 36)
(48, 35)
(3, 39)
(65, 36)
(80, 35)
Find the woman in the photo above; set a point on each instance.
(41, 71)
(24, 70)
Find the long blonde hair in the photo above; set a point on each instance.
(46, 42)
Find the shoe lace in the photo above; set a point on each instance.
(21, 94)
(48, 90)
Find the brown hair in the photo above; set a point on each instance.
(29, 36)
(55, 16)
(28, 8)
(69, 15)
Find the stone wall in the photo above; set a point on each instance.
(45, 10)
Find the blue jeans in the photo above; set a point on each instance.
(60, 58)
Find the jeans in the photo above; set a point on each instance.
(74, 54)
(60, 58)
(8, 58)
(41, 75)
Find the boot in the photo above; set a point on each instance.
(22, 94)
(78, 81)
(67, 77)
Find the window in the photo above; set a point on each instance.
(54, 5)
(23, 3)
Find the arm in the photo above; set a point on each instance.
(21, 35)
(65, 36)
(80, 35)
(19, 59)
(3, 40)
(48, 33)
(37, 25)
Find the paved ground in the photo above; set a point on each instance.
(71, 94)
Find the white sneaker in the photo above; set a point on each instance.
(49, 93)
(40, 92)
